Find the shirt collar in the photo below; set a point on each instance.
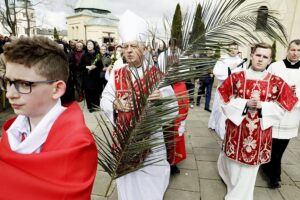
(291, 65)
(36, 138)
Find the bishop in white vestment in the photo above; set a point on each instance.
(150, 182)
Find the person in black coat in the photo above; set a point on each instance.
(92, 65)
(69, 95)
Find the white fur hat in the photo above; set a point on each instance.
(132, 28)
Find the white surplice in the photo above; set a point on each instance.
(148, 183)
(287, 128)
(217, 119)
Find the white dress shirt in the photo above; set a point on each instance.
(35, 138)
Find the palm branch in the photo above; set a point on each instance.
(226, 21)
(234, 20)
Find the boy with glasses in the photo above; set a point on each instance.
(46, 152)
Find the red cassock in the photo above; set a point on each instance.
(248, 143)
(176, 151)
(64, 169)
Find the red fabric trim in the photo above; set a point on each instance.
(176, 148)
(248, 143)
(65, 168)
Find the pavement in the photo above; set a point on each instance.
(199, 177)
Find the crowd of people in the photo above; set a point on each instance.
(48, 150)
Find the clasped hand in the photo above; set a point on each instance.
(90, 67)
(254, 103)
(233, 66)
(155, 95)
(125, 103)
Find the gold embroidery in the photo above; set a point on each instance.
(249, 144)
(238, 84)
(251, 125)
(274, 89)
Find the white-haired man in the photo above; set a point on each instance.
(149, 182)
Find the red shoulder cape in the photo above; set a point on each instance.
(64, 169)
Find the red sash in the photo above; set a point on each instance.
(64, 169)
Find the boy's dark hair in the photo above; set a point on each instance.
(45, 56)
(261, 45)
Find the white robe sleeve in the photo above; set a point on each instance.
(181, 128)
(220, 71)
(271, 114)
(107, 75)
(234, 110)
(162, 62)
(108, 96)
(166, 92)
(298, 96)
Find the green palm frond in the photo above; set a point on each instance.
(127, 146)
(235, 20)
(125, 149)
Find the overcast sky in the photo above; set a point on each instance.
(54, 14)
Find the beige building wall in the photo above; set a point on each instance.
(98, 33)
(294, 32)
(78, 30)
(289, 17)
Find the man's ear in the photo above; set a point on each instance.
(251, 56)
(270, 61)
(59, 89)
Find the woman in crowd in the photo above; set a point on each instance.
(92, 65)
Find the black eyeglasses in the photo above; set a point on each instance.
(23, 87)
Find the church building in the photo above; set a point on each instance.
(92, 21)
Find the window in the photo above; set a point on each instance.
(262, 18)
(108, 40)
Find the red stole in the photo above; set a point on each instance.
(64, 169)
(248, 143)
(176, 151)
(123, 78)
